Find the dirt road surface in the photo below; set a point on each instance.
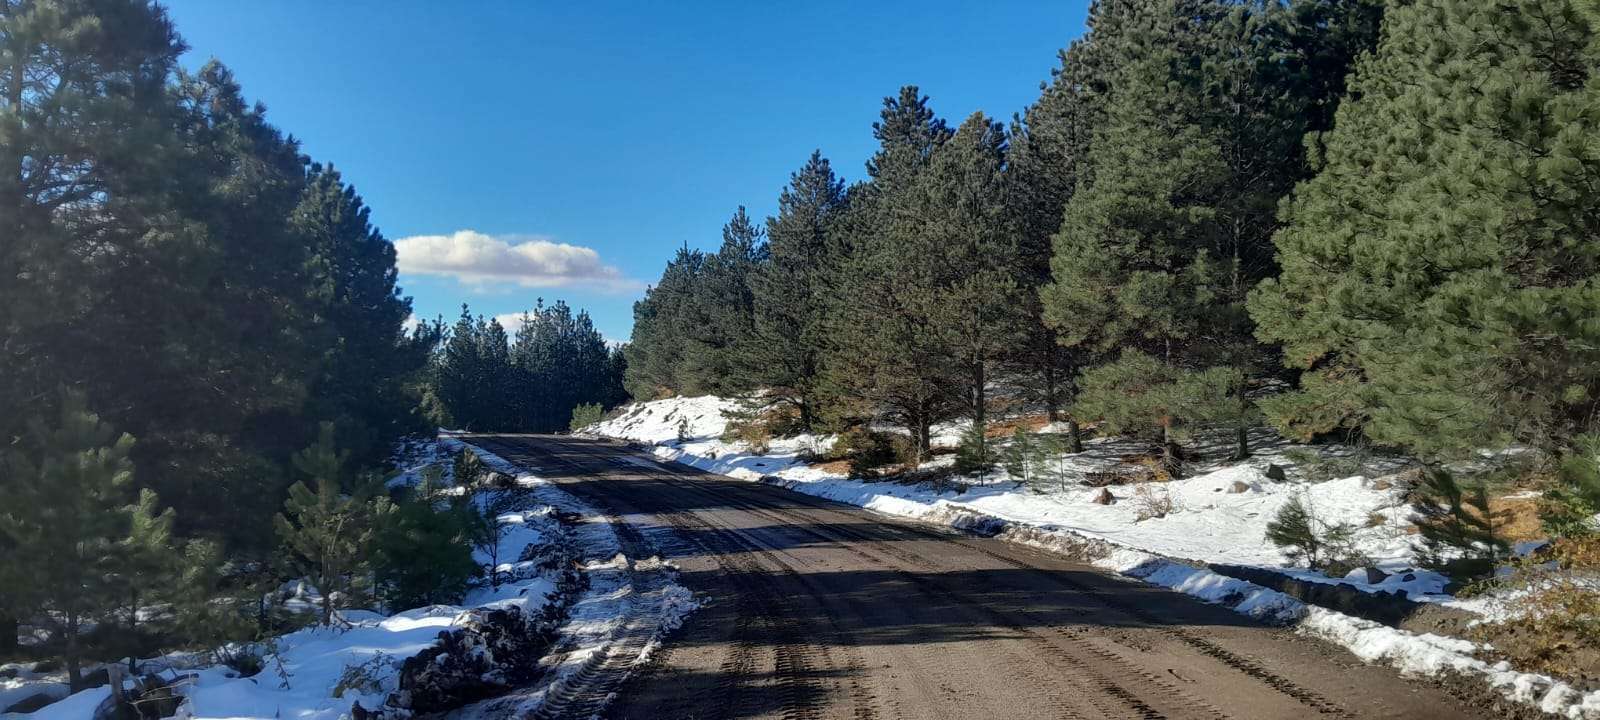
(819, 610)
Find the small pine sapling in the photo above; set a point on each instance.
(467, 469)
(975, 456)
(422, 547)
(1304, 536)
(584, 415)
(65, 525)
(1053, 449)
(1021, 458)
(209, 618)
(1461, 532)
(326, 532)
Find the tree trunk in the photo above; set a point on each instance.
(1052, 400)
(1074, 439)
(980, 396)
(9, 627)
(72, 655)
(919, 431)
(1170, 459)
(1243, 451)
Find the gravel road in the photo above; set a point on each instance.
(820, 610)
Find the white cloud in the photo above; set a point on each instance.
(474, 257)
(512, 322)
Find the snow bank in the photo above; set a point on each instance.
(628, 608)
(1220, 516)
(319, 672)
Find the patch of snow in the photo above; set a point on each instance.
(628, 606)
(78, 706)
(1427, 654)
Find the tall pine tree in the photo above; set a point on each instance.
(883, 349)
(368, 362)
(1439, 272)
(723, 311)
(788, 335)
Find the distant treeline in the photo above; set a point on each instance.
(556, 361)
(1332, 215)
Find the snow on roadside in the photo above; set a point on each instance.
(319, 673)
(629, 606)
(1210, 525)
(1220, 516)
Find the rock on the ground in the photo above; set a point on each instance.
(1276, 473)
(1104, 497)
(1239, 486)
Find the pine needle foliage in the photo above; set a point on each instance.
(327, 532)
(1304, 536)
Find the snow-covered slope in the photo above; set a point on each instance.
(1220, 516)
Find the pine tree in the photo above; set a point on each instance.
(884, 349)
(662, 322)
(1195, 137)
(1053, 449)
(1132, 266)
(147, 564)
(328, 532)
(724, 310)
(1023, 457)
(86, 136)
(422, 547)
(363, 383)
(493, 399)
(790, 292)
(67, 523)
(1306, 536)
(1572, 500)
(1049, 142)
(560, 362)
(971, 244)
(975, 456)
(212, 610)
(457, 373)
(212, 333)
(1438, 271)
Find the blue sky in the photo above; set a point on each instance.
(582, 143)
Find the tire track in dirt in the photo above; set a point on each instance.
(1118, 662)
(1102, 682)
(1309, 698)
(797, 662)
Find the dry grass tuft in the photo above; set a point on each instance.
(1555, 599)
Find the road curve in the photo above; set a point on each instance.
(819, 610)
